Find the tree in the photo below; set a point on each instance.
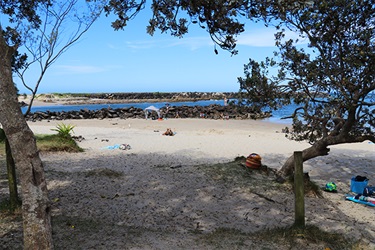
(23, 19)
(47, 43)
(332, 81)
(36, 210)
(35, 206)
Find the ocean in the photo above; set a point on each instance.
(276, 115)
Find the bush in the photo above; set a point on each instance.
(64, 130)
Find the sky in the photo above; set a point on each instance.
(130, 60)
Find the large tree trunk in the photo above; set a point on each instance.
(36, 210)
(287, 170)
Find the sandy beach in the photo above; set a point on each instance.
(163, 192)
(200, 141)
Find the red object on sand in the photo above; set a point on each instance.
(254, 161)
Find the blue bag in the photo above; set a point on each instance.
(369, 191)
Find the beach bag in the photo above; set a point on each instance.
(359, 178)
(369, 191)
(358, 184)
(254, 161)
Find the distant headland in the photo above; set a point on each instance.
(131, 97)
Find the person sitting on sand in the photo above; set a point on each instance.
(169, 132)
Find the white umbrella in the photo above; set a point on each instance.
(152, 108)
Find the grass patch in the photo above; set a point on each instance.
(7, 212)
(221, 238)
(55, 142)
(5, 206)
(77, 223)
(311, 188)
(308, 236)
(51, 143)
(104, 172)
(86, 233)
(290, 237)
(261, 181)
(235, 173)
(2, 148)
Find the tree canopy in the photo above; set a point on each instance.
(331, 81)
(222, 19)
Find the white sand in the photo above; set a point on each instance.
(151, 197)
(207, 140)
(200, 139)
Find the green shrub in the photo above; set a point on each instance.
(57, 143)
(64, 130)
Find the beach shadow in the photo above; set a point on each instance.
(130, 199)
(177, 197)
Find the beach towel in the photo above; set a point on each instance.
(116, 146)
(119, 146)
(352, 198)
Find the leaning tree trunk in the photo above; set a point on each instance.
(287, 170)
(36, 210)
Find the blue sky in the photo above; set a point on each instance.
(131, 60)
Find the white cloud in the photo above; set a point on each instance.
(193, 43)
(260, 38)
(264, 38)
(78, 69)
(143, 44)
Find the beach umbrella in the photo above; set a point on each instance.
(150, 109)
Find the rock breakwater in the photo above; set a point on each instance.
(208, 112)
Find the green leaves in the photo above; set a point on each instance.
(222, 19)
(330, 79)
(64, 130)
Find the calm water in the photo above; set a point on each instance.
(58, 108)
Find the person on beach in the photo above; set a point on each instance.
(169, 132)
(165, 114)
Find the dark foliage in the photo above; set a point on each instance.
(222, 19)
(332, 80)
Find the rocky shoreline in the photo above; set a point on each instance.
(213, 111)
(207, 112)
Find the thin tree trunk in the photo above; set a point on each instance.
(12, 179)
(36, 210)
